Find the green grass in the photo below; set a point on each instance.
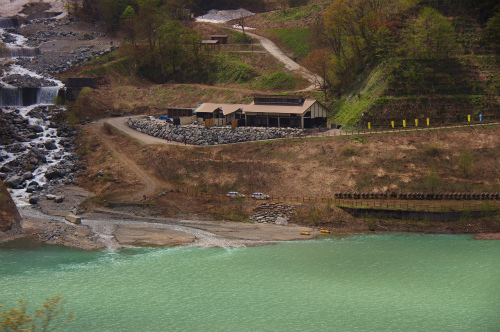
(229, 69)
(296, 40)
(122, 67)
(349, 109)
(296, 13)
(278, 81)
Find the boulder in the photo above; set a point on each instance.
(50, 145)
(14, 181)
(27, 176)
(73, 219)
(34, 200)
(53, 173)
(281, 221)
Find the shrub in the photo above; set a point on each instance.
(280, 81)
(433, 149)
(349, 151)
(465, 162)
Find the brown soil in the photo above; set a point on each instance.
(9, 215)
(313, 167)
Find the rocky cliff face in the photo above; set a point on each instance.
(9, 216)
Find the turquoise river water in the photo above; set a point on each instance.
(353, 283)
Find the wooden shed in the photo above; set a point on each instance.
(221, 38)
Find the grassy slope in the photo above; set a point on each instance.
(289, 28)
(323, 166)
(442, 90)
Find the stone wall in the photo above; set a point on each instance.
(273, 213)
(198, 134)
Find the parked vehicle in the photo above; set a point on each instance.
(235, 194)
(260, 196)
(166, 118)
(150, 118)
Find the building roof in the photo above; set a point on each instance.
(226, 108)
(279, 108)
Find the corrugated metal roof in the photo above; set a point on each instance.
(252, 108)
(226, 108)
(279, 108)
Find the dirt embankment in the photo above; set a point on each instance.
(9, 215)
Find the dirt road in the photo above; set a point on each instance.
(291, 65)
(151, 185)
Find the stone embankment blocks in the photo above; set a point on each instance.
(275, 213)
(198, 134)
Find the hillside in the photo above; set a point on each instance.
(461, 160)
(408, 84)
(9, 216)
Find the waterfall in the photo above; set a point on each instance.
(6, 22)
(11, 97)
(16, 52)
(46, 95)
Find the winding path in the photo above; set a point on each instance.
(152, 185)
(291, 65)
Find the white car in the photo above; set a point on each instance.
(150, 118)
(235, 194)
(260, 196)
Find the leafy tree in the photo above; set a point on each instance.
(492, 32)
(128, 13)
(110, 11)
(430, 36)
(319, 62)
(49, 317)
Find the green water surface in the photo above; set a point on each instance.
(355, 283)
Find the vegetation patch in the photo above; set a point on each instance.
(279, 81)
(296, 40)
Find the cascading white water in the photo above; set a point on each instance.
(11, 96)
(6, 23)
(19, 52)
(46, 95)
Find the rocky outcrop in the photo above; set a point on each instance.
(9, 215)
(276, 213)
(198, 134)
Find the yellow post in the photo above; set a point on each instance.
(416, 122)
(468, 117)
(369, 127)
(427, 121)
(404, 123)
(392, 124)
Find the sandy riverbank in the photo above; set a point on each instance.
(106, 228)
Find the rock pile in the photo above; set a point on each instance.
(275, 213)
(26, 150)
(26, 81)
(198, 134)
(62, 63)
(44, 30)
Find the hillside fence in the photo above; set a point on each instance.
(485, 204)
(396, 127)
